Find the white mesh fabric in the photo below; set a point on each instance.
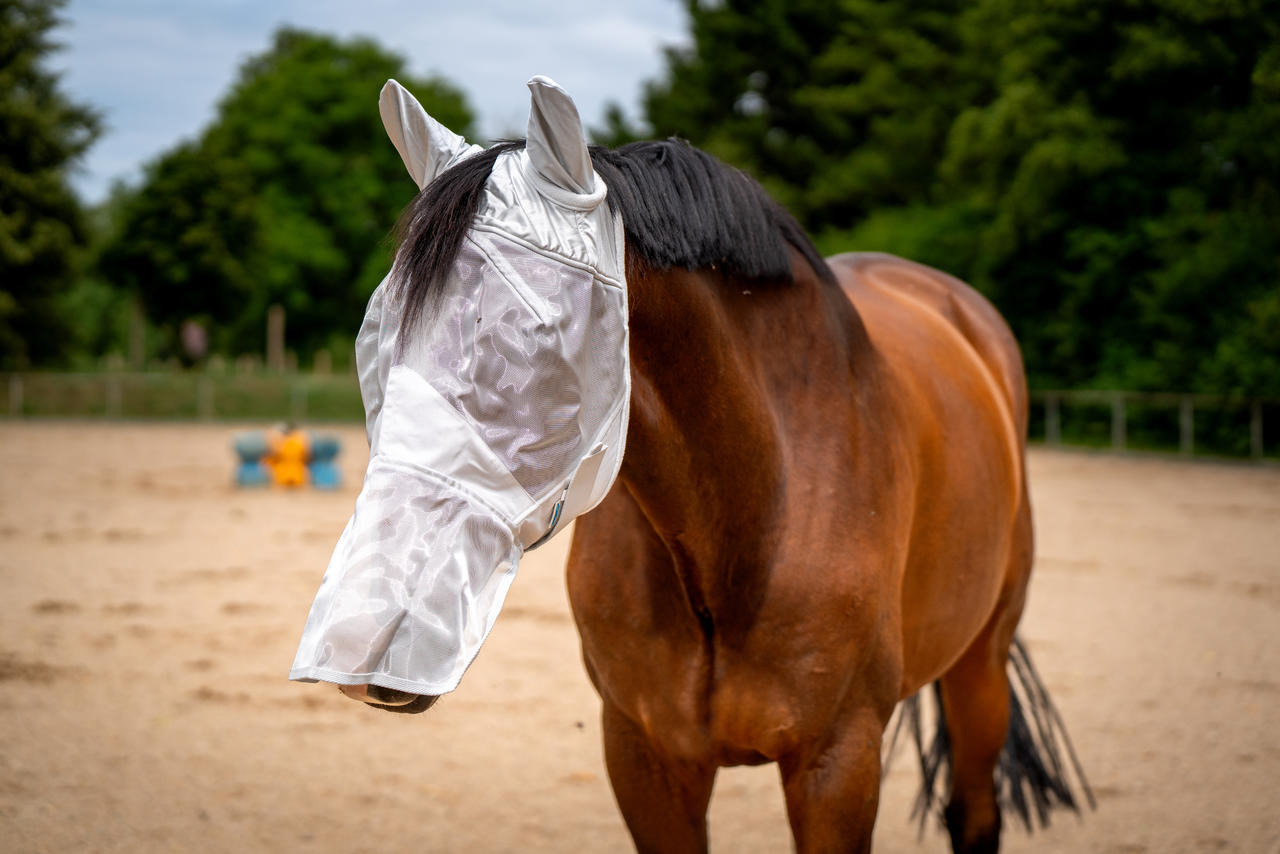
(409, 613)
(502, 416)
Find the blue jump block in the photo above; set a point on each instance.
(252, 446)
(325, 475)
(252, 474)
(324, 472)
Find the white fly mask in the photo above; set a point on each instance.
(501, 418)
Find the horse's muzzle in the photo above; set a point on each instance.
(390, 700)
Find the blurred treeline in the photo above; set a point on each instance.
(1107, 172)
(288, 198)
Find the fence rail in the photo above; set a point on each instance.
(1183, 422)
(1051, 404)
(181, 396)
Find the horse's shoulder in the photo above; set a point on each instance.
(888, 289)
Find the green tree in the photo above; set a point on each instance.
(1126, 172)
(287, 197)
(733, 91)
(1107, 173)
(42, 225)
(98, 316)
(840, 108)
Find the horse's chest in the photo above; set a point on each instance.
(652, 666)
(692, 690)
(737, 682)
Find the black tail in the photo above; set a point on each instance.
(1031, 775)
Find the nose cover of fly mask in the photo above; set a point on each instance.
(500, 417)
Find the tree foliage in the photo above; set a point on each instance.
(42, 225)
(287, 197)
(1108, 173)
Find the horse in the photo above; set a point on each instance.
(822, 507)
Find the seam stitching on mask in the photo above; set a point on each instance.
(596, 439)
(603, 278)
(494, 461)
(499, 267)
(447, 482)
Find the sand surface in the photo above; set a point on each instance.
(150, 612)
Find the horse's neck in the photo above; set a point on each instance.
(726, 379)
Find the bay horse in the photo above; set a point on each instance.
(822, 509)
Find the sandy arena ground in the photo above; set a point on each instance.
(150, 613)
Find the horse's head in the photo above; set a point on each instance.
(493, 367)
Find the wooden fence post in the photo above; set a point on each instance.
(1117, 422)
(275, 338)
(1187, 426)
(1255, 430)
(204, 398)
(298, 400)
(137, 336)
(15, 395)
(1052, 421)
(115, 396)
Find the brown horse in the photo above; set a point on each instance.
(835, 518)
(822, 508)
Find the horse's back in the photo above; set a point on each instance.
(919, 288)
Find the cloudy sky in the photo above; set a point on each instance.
(156, 68)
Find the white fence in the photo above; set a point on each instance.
(1238, 412)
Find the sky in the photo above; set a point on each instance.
(155, 69)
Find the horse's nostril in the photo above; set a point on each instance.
(389, 699)
(390, 696)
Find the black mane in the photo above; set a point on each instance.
(680, 207)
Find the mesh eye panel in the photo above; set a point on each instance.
(527, 349)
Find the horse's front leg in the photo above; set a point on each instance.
(833, 790)
(663, 799)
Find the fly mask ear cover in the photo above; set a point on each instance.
(426, 146)
(502, 417)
